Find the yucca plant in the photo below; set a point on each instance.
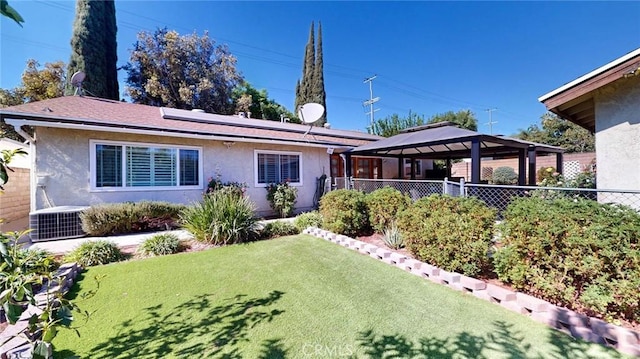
(221, 218)
(92, 253)
(392, 237)
(160, 244)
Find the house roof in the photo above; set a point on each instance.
(443, 140)
(90, 113)
(574, 101)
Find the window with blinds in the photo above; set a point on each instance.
(137, 165)
(275, 167)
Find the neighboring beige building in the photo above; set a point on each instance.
(90, 151)
(606, 101)
(15, 202)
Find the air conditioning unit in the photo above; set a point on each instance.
(56, 223)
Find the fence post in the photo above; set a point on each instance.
(462, 190)
(445, 186)
(349, 184)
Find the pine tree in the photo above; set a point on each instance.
(94, 47)
(311, 87)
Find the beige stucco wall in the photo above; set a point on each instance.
(63, 155)
(618, 134)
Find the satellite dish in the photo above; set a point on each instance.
(76, 81)
(310, 112)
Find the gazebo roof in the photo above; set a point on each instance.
(444, 140)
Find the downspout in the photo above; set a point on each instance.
(32, 152)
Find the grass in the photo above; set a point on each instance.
(295, 297)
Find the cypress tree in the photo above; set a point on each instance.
(311, 87)
(318, 94)
(94, 47)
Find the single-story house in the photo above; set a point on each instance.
(89, 151)
(606, 102)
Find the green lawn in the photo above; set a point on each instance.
(296, 297)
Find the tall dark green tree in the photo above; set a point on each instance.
(558, 132)
(94, 47)
(311, 87)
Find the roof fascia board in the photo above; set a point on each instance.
(85, 127)
(591, 74)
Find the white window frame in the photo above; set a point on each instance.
(93, 170)
(255, 166)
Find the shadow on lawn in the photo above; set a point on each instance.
(501, 341)
(214, 330)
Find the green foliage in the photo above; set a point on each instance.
(383, 205)
(584, 179)
(248, 99)
(220, 218)
(558, 132)
(157, 74)
(308, 219)
(574, 252)
(11, 13)
(392, 237)
(5, 159)
(130, 217)
(279, 229)
(464, 119)
(311, 87)
(547, 174)
(345, 212)
(453, 233)
(37, 261)
(393, 124)
(93, 253)
(94, 48)
(160, 245)
(235, 188)
(282, 198)
(504, 176)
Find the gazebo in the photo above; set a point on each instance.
(445, 141)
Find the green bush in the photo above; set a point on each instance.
(282, 198)
(453, 233)
(92, 253)
(279, 229)
(345, 212)
(160, 245)
(35, 260)
(575, 253)
(308, 219)
(216, 184)
(220, 218)
(384, 204)
(392, 237)
(546, 173)
(129, 217)
(504, 176)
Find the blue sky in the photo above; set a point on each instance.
(430, 57)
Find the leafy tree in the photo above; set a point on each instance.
(311, 87)
(94, 47)
(185, 72)
(248, 99)
(11, 13)
(464, 119)
(393, 124)
(37, 84)
(558, 132)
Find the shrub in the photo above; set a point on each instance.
(92, 253)
(383, 205)
(392, 237)
(546, 173)
(35, 260)
(279, 229)
(160, 245)
(308, 219)
(282, 198)
(345, 212)
(129, 217)
(575, 253)
(453, 233)
(504, 176)
(216, 184)
(220, 218)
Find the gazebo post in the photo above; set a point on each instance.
(413, 168)
(559, 163)
(401, 167)
(532, 167)
(522, 167)
(347, 165)
(475, 160)
(448, 172)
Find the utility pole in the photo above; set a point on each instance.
(491, 122)
(371, 99)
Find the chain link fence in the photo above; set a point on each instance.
(496, 196)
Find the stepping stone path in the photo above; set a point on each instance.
(13, 340)
(575, 324)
